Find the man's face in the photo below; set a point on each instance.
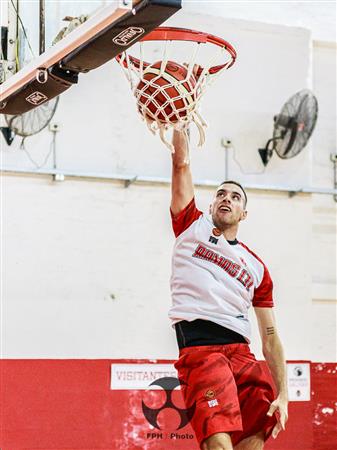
(228, 207)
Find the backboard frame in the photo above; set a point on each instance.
(86, 48)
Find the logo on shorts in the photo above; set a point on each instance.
(212, 403)
(128, 35)
(36, 98)
(168, 384)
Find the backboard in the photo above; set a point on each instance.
(104, 33)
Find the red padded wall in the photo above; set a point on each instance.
(68, 404)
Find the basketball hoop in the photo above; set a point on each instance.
(168, 92)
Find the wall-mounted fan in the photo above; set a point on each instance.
(292, 127)
(18, 50)
(32, 122)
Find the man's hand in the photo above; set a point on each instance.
(280, 407)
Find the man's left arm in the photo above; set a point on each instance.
(273, 352)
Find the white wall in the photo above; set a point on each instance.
(72, 246)
(317, 16)
(324, 138)
(69, 246)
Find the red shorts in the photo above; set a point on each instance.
(231, 389)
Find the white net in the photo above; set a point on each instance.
(168, 92)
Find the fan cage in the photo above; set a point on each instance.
(295, 124)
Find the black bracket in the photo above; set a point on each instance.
(265, 155)
(8, 134)
(65, 74)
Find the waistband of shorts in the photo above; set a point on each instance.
(219, 348)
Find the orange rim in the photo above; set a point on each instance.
(184, 34)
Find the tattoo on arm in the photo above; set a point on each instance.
(270, 330)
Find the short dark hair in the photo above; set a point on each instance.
(237, 184)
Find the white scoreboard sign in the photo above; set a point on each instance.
(298, 381)
(139, 376)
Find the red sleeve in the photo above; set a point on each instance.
(185, 218)
(263, 294)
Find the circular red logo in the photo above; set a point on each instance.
(209, 394)
(216, 232)
(172, 67)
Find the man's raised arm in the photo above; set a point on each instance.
(182, 185)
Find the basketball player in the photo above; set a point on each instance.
(215, 279)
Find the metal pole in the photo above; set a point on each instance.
(54, 150)
(140, 179)
(226, 164)
(12, 37)
(42, 40)
(333, 158)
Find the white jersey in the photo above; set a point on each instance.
(212, 278)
